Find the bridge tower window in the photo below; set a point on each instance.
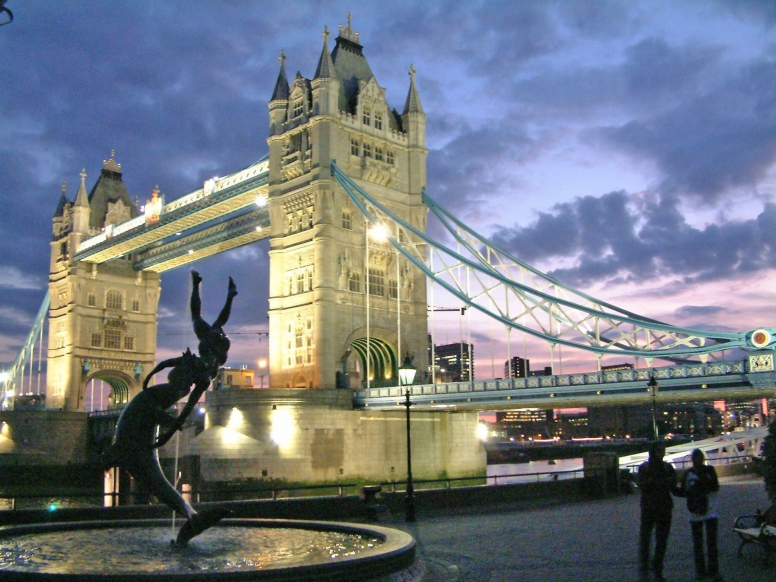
(354, 282)
(378, 120)
(393, 289)
(298, 108)
(136, 305)
(347, 223)
(389, 157)
(113, 339)
(367, 150)
(376, 282)
(113, 300)
(129, 343)
(91, 300)
(367, 116)
(299, 351)
(355, 147)
(96, 340)
(379, 154)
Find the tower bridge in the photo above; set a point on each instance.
(341, 196)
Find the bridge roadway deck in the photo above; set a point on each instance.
(223, 197)
(685, 383)
(577, 542)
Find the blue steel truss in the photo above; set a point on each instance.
(489, 279)
(15, 380)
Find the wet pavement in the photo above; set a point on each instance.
(594, 540)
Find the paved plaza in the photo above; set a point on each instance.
(595, 540)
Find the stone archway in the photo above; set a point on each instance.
(383, 366)
(122, 387)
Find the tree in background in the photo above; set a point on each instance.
(769, 462)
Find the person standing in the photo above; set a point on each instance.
(700, 485)
(657, 481)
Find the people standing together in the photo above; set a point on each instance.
(658, 482)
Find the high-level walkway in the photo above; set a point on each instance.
(578, 542)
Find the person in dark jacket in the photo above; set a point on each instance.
(700, 485)
(657, 481)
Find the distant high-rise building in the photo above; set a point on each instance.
(526, 423)
(518, 369)
(455, 362)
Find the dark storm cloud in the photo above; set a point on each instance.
(469, 170)
(618, 239)
(603, 18)
(650, 76)
(759, 11)
(714, 142)
(179, 103)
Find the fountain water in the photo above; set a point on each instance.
(234, 549)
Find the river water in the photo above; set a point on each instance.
(534, 471)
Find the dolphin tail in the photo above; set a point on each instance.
(199, 522)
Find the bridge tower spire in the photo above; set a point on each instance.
(321, 332)
(102, 320)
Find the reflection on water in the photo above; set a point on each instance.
(147, 549)
(533, 471)
(538, 471)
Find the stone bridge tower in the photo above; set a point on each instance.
(318, 262)
(102, 321)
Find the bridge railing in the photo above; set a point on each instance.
(604, 382)
(53, 500)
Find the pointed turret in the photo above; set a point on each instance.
(60, 211)
(325, 68)
(81, 209)
(414, 119)
(326, 83)
(413, 122)
(278, 104)
(82, 198)
(281, 86)
(412, 104)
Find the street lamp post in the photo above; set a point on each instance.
(653, 386)
(406, 377)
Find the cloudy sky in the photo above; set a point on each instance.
(626, 147)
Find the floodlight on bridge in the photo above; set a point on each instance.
(379, 232)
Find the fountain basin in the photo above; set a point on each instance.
(236, 549)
